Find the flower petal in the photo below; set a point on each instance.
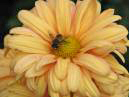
(108, 89)
(52, 5)
(105, 14)
(89, 17)
(81, 9)
(111, 33)
(26, 44)
(41, 86)
(54, 82)
(24, 31)
(74, 76)
(64, 88)
(63, 16)
(61, 68)
(100, 47)
(45, 60)
(93, 63)
(111, 78)
(31, 84)
(104, 23)
(91, 88)
(25, 63)
(53, 94)
(42, 8)
(32, 72)
(118, 68)
(120, 56)
(36, 24)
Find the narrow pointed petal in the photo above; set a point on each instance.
(36, 24)
(26, 44)
(120, 56)
(74, 77)
(98, 66)
(118, 68)
(98, 9)
(90, 86)
(61, 68)
(42, 7)
(54, 82)
(63, 16)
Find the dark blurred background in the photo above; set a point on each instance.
(10, 8)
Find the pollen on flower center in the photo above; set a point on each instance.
(65, 46)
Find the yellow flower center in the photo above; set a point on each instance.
(65, 46)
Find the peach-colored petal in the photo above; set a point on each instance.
(41, 86)
(81, 8)
(61, 68)
(45, 60)
(63, 16)
(121, 47)
(119, 55)
(111, 78)
(93, 63)
(52, 5)
(31, 84)
(74, 77)
(100, 47)
(64, 88)
(26, 62)
(110, 33)
(88, 18)
(90, 86)
(118, 68)
(53, 94)
(36, 24)
(105, 14)
(107, 88)
(34, 11)
(54, 82)
(24, 31)
(26, 44)
(32, 72)
(42, 7)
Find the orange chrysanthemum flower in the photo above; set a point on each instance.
(67, 49)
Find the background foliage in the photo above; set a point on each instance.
(10, 8)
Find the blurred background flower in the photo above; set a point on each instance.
(10, 8)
